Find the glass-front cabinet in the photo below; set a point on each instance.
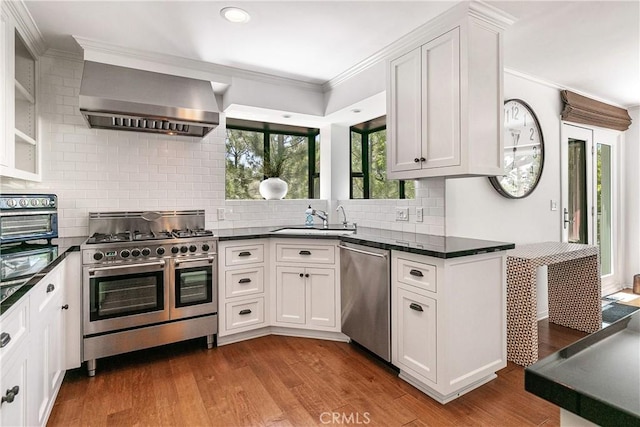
(20, 152)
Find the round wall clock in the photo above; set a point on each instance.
(523, 155)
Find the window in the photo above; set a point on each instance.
(369, 164)
(248, 143)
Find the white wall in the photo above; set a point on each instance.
(475, 209)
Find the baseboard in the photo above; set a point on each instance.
(439, 397)
(278, 330)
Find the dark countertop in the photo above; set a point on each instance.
(422, 244)
(597, 377)
(65, 246)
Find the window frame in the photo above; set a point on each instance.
(267, 129)
(365, 174)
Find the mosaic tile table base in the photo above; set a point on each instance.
(574, 293)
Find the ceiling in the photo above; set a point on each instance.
(588, 46)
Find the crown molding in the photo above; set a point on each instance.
(475, 9)
(28, 29)
(63, 54)
(215, 72)
(560, 87)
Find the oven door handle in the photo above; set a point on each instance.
(209, 259)
(119, 267)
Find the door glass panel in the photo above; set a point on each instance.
(126, 295)
(577, 200)
(603, 193)
(193, 286)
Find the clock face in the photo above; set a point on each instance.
(523, 155)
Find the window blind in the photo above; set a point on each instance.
(581, 109)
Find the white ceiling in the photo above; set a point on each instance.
(589, 46)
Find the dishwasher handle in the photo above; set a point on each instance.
(360, 251)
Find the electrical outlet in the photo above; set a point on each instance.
(220, 214)
(554, 205)
(419, 214)
(402, 214)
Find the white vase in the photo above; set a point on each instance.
(273, 188)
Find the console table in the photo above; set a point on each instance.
(574, 293)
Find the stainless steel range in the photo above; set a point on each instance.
(149, 278)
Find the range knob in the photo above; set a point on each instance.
(24, 203)
(98, 256)
(160, 251)
(125, 254)
(205, 247)
(193, 248)
(184, 249)
(45, 202)
(35, 202)
(146, 252)
(12, 203)
(135, 252)
(175, 250)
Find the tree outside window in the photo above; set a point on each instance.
(249, 143)
(369, 164)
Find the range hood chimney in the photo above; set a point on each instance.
(119, 98)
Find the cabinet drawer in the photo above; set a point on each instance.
(309, 254)
(245, 254)
(13, 327)
(417, 274)
(244, 282)
(242, 314)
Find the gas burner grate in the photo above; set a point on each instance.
(109, 238)
(187, 232)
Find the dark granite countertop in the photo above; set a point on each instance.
(65, 246)
(597, 377)
(422, 244)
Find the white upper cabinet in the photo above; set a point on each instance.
(444, 99)
(19, 152)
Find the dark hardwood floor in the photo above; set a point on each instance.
(289, 381)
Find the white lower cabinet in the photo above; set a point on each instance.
(415, 349)
(44, 331)
(306, 296)
(242, 287)
(448, 321)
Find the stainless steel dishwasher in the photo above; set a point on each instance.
(366, 297)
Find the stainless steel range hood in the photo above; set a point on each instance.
(119, 98)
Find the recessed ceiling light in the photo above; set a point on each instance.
(235, 15)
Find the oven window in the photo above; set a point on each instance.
(126, 295)
(194, 286)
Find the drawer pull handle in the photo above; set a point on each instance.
(245, 311)
(5, 338)
(50, 287)
(11, 394)
(245, 280)
(304, 253)
(301, 275)
(65, 307)
(244, 253)
(416, 273)
(416, 307)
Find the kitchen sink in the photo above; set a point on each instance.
(314, 231)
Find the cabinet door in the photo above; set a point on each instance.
(14, 378)
(441, 101)
(416, 334)
(290, 295)
(71, 272)
(404, 113)
(321, 296)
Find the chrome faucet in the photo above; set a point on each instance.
(341, 208)
(320, 214)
